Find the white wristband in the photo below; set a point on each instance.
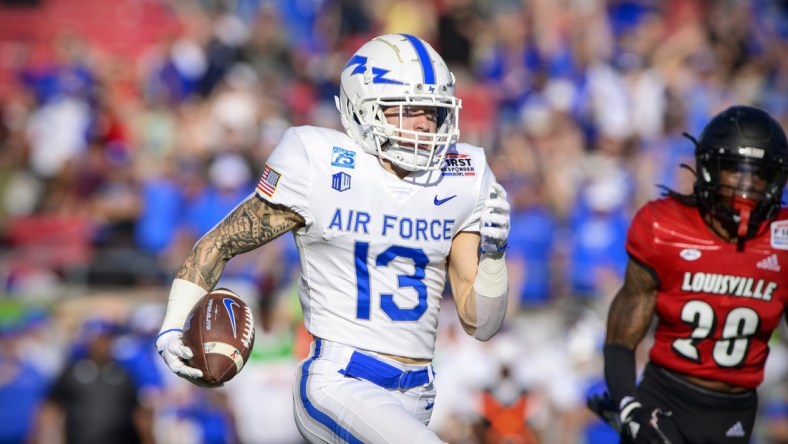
(183, 296)
(492, 280)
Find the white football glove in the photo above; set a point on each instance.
(169, 343)
(494, 221)
(170, 346)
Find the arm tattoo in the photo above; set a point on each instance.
(633, 307)
(252, 224)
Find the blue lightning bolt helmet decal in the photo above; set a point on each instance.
(360, 62)
(378, 74)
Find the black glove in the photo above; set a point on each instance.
(604, 406)
(641, 426)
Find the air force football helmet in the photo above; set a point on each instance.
(400, 71)
(743, 140)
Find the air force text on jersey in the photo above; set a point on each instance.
(418, 229)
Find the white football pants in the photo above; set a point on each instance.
(332, 407)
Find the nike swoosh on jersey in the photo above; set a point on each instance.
(443, 201)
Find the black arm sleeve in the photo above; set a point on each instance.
(620, 371)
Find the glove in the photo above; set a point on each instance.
(604, 406)
(494, 221)
(171, 348)
(641, 426)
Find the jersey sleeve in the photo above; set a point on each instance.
(640, 237)
(471, 223)
(286, 177)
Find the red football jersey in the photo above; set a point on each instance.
(716, 307)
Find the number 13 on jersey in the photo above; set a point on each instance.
(387, 303)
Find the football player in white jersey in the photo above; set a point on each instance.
(381, 215)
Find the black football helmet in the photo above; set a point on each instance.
(746, 141)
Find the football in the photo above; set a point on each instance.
(220, 332)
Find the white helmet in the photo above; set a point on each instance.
(398, 70)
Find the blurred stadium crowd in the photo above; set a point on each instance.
(111, 168)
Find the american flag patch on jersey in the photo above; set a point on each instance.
(268, 182)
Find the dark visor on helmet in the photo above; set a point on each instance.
(758, 169)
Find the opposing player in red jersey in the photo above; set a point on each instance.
(709, 266)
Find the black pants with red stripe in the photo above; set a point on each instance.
(699, 416)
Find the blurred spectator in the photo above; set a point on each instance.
(210, 413)
(193, 415)
(505, 405)
(459, 27)
(176, 71)
(415, 17)
(23, 385)
(658, 162)
(57, 131)
(66, 74)
(94, 399)
(512, 64)
(224, 49)
(234, 111)
(267, 50)
(597, 258)
(229, 182)
(162, 203)
(134, 353)
(532, 249)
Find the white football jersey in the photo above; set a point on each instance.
(374, 248)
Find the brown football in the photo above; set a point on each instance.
(220, 332)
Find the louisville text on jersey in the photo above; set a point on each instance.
(740, 286)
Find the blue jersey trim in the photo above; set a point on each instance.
(424, 59)
(319, 416)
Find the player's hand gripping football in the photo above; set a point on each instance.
(494, 221)
(641, 426)
(170, 346)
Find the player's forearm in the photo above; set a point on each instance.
(619, 370)
(490, 295)
(197, 276)
(625, 325)
(624, 333)
(628, 322)
(252, 224)
(205, 263)
(632, 310)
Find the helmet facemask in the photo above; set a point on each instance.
(414, 150)
(749, 197)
